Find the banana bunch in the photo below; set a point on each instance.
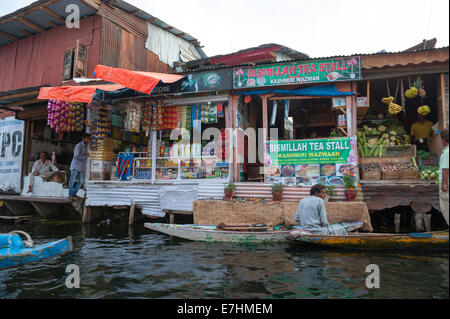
(388, 100)
(412, 92)
(394, 109)
(424, 110)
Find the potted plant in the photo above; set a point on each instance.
(277, 192)
(351, 188)
(229, 191)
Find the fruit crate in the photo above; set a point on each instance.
(390, 175)
(371, 175)
(409, 174)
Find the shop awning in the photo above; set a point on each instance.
(143, 82)
(82, 93)
(324, 90)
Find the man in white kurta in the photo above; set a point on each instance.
(43, 168)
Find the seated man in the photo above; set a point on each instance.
(312, 215)
(43, 168)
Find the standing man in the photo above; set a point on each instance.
(443, 176)
(422, 130)
(80, 154)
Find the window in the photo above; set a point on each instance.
(75, 62)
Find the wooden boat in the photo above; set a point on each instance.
(211, 234)
(14, 251)
(423, 241)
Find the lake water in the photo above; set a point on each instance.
(118, 263)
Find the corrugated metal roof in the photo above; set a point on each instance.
(38, 17)
(377, 53)
(42, 18)
(60, 8)
(15, 27)
(219, 66)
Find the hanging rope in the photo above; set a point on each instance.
(396, 90)
(28, 242)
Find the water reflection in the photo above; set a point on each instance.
(123, 262)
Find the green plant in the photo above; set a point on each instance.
(230, 187)
(331, 190)
(276, 188)
(350, 182)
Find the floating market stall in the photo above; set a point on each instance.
(147, 150)
(312, 106)
(396, 169)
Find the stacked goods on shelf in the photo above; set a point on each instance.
(171, 118)
(101, 128)
(104, 151)
(383, 140)
(134, 116)
(102, 159)
(157, 114)
(186, 117)
(147, 115)
(65, 117)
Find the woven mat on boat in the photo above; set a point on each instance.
(236, 213)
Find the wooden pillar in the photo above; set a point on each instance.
(86, 219)
(29, 127)
(353, 112)
(233, 108)
(265, 125)
(442, 102)
(132, 210)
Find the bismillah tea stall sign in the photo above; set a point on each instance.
(313, 71)
(310, 162)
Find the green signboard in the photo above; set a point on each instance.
(308, 162)
(313, 71)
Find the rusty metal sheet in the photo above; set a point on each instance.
(126, 21)
(127, 51)
(110, 44)
(38, 60)
(379, 197)
(140, 54)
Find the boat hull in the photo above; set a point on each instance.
(11, 257)
(438, 241)
(211, 235)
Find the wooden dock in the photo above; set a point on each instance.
(44, 207)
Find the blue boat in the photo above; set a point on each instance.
(14, 251)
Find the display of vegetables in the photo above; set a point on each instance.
(373, 147)
(429, 173)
